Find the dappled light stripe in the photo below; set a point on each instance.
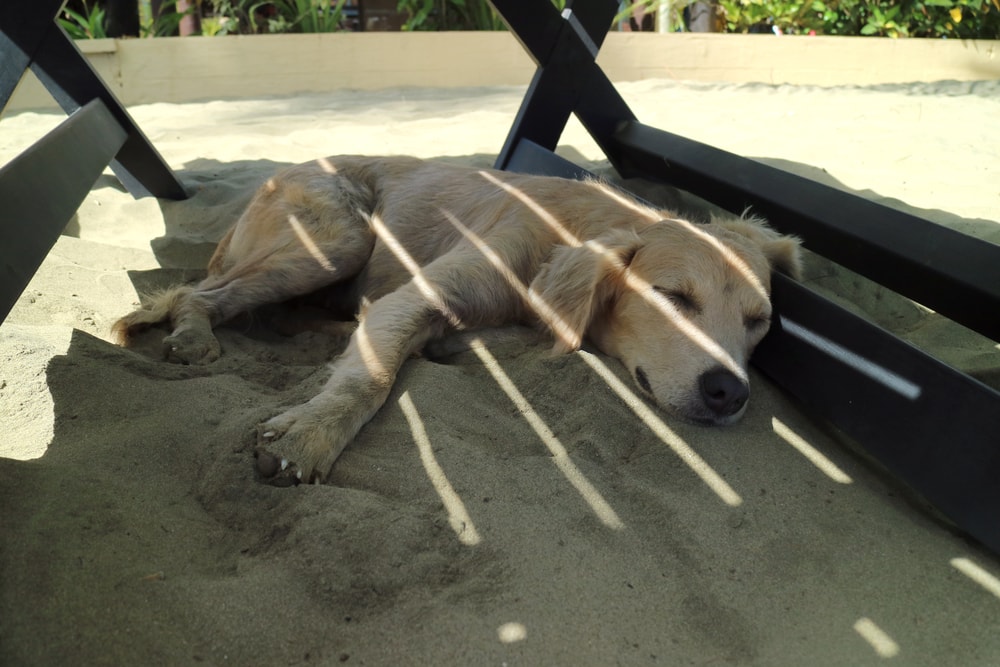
(562, 330)
(428, 291)
(977, 574)
(560, 456)
(685, 324)
(567, 236)
(458, 516)
(624, 200)
(884, 645)
(307, 242)
(863, 365)
(813, 455)
(728, 254)
(711, 478)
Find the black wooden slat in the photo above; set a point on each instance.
(22, 29)
(930, 425)
(42, 188)
(952, 273)
(71, 80)
(568, 80)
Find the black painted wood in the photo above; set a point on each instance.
(29, 36)
(951, 273)
(42, 188)
(568, 79)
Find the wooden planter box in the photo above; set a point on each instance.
(174, 69)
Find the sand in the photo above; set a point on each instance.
(453, 531)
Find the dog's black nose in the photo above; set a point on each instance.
(723, 392)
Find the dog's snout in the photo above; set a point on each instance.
(723, 392)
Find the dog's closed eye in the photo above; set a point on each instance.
(683, 298)
(757, 321)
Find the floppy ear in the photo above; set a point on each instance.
(784, 253)
(575, 281)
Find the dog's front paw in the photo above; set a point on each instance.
(292, 448)
(191, 346)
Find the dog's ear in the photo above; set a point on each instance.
(573, 284)
(784, 253)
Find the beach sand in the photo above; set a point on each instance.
(468, 524)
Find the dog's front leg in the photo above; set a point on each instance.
(302, 443)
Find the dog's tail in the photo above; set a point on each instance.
(159, 308)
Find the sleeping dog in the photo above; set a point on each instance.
(421, 249)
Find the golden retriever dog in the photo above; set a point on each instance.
(420, 249)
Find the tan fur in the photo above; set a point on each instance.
(424, 248)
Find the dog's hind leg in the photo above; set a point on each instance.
(278, 250)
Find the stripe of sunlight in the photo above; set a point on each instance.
(423, 285)
(368, 353)
(977, 574)
(700, 467)
(625, 200)
(825, 465)
(884, 645)
(560, 456)
(643, 288)
(326, 165)
(458, 516)
(559, 327)
(715, 482)
(568, 237)
(310, 245)
(728, 254)
(687, 327)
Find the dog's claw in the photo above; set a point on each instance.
(275, 470)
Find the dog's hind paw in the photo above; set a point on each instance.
(191, 346)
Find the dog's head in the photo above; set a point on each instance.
(681, 305)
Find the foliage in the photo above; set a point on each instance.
(964, 19)
(449, 15)
(297, 16)
(230, 17)
(163, 22)
(88, 24)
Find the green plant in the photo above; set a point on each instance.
(163, 22)
(964, 19)
(449, 15)
(88, 25)
(299, 15)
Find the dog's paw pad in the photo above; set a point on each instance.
(191, 347)
(275, 469)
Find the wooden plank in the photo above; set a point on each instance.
(568, 79)
(42, 188)
(954, 274)
(22, 30)
(930, 425)
(71, 80)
